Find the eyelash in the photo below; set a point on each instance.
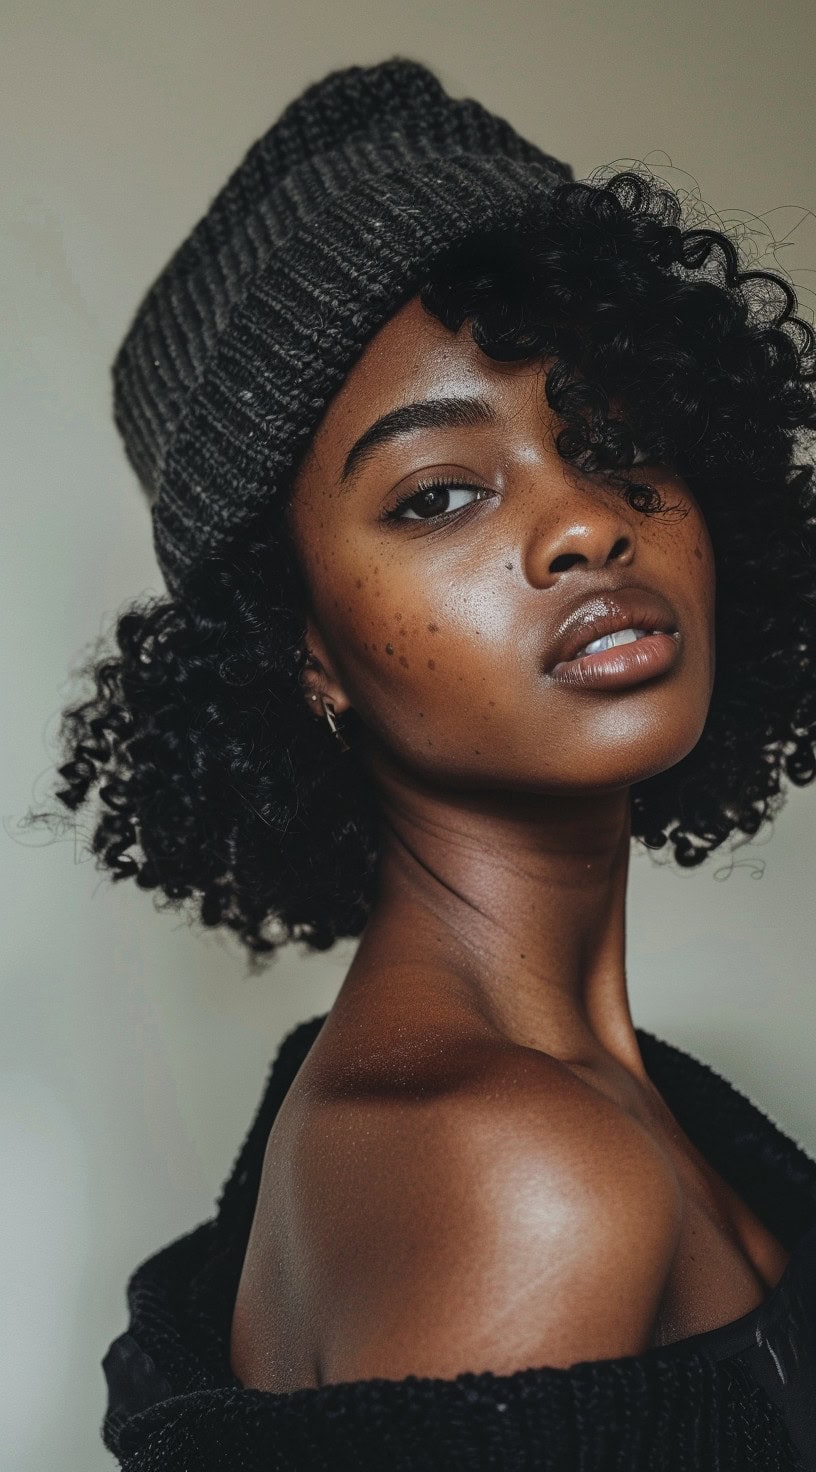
(446, 483)
(436, 483)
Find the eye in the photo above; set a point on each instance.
(431, 499)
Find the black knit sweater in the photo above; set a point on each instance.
(735, 1398)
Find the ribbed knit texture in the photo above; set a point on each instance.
(325, 228)
(175, 1405)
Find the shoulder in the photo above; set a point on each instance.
(508, 1218)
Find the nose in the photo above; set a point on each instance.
(591, 532)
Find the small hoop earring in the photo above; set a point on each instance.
(328, 707)
(328, 711)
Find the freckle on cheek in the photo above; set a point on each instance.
(404, 661)
(434, 628)
(389, 649)
(431, 664)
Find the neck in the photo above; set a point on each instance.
(511, 906)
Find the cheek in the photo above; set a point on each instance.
(683, 553)
(690, 557)
(700, 568)
(386, 633)
(419, 652)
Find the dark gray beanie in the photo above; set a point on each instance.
(325, 228)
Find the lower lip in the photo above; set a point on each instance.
(621, 666)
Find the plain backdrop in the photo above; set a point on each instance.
(134, 1047)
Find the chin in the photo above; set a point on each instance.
(610, 765)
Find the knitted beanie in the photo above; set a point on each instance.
(326, 227)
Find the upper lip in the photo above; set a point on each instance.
(605, 612)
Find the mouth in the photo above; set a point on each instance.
(615, 640)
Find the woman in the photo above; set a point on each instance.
(477, 496)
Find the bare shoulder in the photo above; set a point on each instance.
(512, 1217)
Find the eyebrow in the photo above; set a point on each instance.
(445, 413)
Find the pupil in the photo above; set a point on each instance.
(430, 495)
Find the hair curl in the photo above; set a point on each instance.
(214, 778)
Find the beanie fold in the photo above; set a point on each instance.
(325, 229)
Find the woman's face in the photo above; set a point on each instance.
(440, 629)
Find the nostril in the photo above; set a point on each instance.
(566, 560)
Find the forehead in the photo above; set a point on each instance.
(413, 356)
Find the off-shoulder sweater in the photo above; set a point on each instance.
(737, 1397)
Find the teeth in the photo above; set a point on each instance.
(609, 641)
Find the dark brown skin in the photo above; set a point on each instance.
(481, 1050)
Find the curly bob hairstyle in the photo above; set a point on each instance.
(214, 779)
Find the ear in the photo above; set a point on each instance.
(319, 676)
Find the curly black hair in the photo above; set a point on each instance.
(216, 782)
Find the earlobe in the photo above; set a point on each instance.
(318, 677)
(324, 706)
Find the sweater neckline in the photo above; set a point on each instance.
(754, 1326)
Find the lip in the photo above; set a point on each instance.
(624, 664)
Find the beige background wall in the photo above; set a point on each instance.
(133, 1048)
